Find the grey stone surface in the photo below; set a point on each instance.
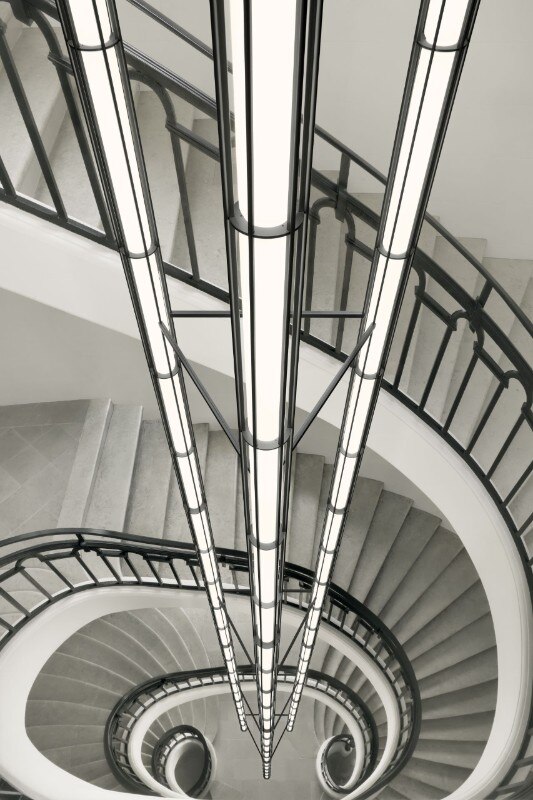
(308, 471)
(147, 503)
(364, 503)
(417, 529)
(221, 488)
(207, 216)
(38, 443)
(176, 525)
(386, 523)
(109, 499)
(84, 468)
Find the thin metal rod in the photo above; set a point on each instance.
(331, 388)
(201, 388)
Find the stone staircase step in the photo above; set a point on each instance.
(478, 699)
(442, 548)
(414, 535)
(438, 596)
(389, 516)
(308, 471)
(479, 668)
(207, 216)
(468, 640)
(112, 484)
(364, 503)
(150, 485)
(71, 176)
(176, 525)
(460, 754)
(221, 488)
(416, 790)
(85, 467)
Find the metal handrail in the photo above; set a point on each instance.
(164, 748)
(349, 744)
(130, 708)
(85, 559)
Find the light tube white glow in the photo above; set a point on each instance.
(451, 22)
(106, 86)
(407, 184)
(115, 131)
(273, 53)
(264, 284)
(427, 100)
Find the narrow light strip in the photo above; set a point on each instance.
(92, 32)
(443, 31)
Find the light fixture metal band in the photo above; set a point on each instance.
(241, 224)
(93, 48)
(262, 444)
(271, 545)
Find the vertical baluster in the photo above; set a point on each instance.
(29, 121)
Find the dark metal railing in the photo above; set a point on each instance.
(461, 356)
(164, 748)
(348, 745)
(130, 709)
(39, 569)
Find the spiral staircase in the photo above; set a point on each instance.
(407, 618)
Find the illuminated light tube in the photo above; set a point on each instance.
(274, 54)
(93, 36)
(441, 40)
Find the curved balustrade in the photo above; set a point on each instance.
(130, 709)
(342, 743)
(179, 736)
(39, 569)
(479, 343)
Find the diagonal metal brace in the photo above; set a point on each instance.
(186, 364)
(331, 388)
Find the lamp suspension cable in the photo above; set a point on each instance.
(274, 49)
(441, 40)
(95, 47)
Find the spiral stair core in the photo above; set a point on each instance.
(99, 465)
(403, 565)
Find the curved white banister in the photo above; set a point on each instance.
(25, 654)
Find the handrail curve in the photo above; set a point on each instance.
(41, 568)
(130, 708)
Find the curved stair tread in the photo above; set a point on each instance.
(473, 638)
(440, 551)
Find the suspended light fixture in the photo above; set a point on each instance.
(441, 40)
(274, 52)
(93, 36)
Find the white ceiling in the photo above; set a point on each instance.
(483, 184)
